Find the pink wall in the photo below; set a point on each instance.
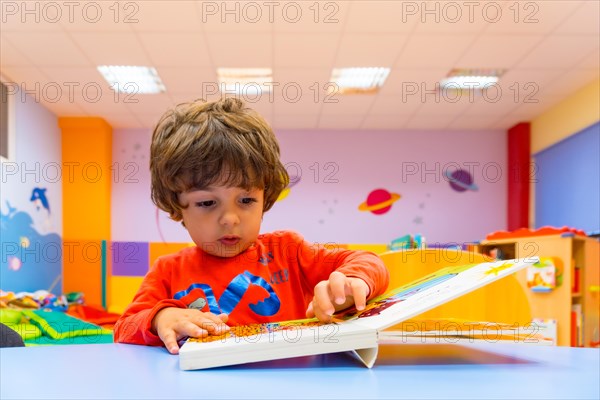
(338, 170)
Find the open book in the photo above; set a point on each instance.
(352, 330)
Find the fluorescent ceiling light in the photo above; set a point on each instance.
(358, 80)
(473, 79)
(131, 79)
(245, 81)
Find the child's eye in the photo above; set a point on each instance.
(205, 204)
(248, 200)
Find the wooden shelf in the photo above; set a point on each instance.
(575, 252)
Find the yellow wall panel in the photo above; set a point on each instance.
(162, 249)
(376, 248)
(568, 117)
(122, 290)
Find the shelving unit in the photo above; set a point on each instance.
(580, 258)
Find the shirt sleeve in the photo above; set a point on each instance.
(318, 261)
(135, 325)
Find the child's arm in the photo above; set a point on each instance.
(337, 293)
(139, 324)
(173, 324)
(340, 278)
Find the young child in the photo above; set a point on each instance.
(215, 167)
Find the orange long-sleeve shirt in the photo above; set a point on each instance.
(273, 280)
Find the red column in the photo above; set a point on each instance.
(519, 149)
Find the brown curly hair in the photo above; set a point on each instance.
(200, 143)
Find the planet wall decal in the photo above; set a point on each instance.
(379, 201)
(460, 180)
(285, 192)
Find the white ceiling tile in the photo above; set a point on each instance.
(428, 122)
(262, 104)
(585, 20)
(169, 49)
(571, 82)
(521, 83)
(573, 49)
(498, 51)
(379, 17)
(293, 101)
(592, 61)
(305, 50)
(36, 46)
(357, 104)
(498, 101)
(123, 121)
(186, 50)
(309, 16)
(106, 101)
(100, 48)
(79, 76)
(472, 123)
(100, 16)
(240, 51)
(412, 82)
(444, 102)
(36, 16)
(179, 98)
(201, 81)
(162, 16)
(508, 122)
(395, 105)
(84, 86)
(532, 17)
(427, 50)
(300, 91)
(26, 79)
(451, 16)
(238, 16)
(63, 109)
(529, 111)
(369, 50)
(149, 104)
(11, 56)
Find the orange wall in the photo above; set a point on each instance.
(86, 157)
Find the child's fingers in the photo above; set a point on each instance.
(211, 323)
(322, 300)
(223, 317)
(188, 328)
(170, 340)
(309, 311)
(337, 286)
(359, 292)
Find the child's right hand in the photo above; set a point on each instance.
(172, 324)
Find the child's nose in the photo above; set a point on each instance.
(229, 218)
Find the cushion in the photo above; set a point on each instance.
(59, 325)
(10, 316)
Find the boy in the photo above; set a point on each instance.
(215, 167)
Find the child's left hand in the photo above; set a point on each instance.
(337, 293)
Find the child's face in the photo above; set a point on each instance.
(223, 221)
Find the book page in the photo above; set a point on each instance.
(430, 291)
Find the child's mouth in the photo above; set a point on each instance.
(229, 240)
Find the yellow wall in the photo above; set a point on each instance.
(568, 117)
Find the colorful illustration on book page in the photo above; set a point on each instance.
(377, 305)
(469, 275)
(260, 329)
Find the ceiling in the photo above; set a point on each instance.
(549, 49)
